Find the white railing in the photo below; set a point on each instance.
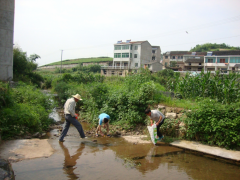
(114, 67)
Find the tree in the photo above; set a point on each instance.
(23, 67)
(212, 47)
(34, 57)
(173, 63)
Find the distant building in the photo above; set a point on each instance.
(223, 61)
(129, 56)
(170, 56)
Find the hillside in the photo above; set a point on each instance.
(81, 60)
(213, 47)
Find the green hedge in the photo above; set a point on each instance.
(215, 124)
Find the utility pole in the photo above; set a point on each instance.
(61, 61)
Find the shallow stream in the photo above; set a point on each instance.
(116, 159)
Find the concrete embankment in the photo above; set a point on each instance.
(193, 146)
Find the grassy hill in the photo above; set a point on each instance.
(81, 60)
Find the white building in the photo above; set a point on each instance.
(223, 63)
(132, 55)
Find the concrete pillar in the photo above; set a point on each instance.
(6, 39)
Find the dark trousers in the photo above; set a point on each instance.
(158, 129)
(69, 119)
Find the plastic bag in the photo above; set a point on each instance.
(153, 133)
(76, 116)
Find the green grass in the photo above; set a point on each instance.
(82, 60)
(181, 103)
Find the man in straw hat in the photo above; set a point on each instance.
(70, 117)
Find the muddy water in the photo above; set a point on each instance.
(115, 158)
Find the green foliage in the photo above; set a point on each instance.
(5, 98)
(82, 60)
(210, 47)
(34, 57)
(223, 88)
(25, 110)
(124, 99)
(23, 67)
(87, 69)
(215, 124)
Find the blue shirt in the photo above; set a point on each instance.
(102, 116)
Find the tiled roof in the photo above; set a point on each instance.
(223, 53)
(174, 53)
(195, 60)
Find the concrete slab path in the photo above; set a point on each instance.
(215, 151)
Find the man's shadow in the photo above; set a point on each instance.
(70, 162)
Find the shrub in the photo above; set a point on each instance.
(214, 123)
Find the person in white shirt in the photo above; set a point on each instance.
(70, 117)
(158, 117)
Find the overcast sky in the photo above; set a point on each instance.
(89, 28)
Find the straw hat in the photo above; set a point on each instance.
(77, 96)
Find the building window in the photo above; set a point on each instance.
(117, 55)
(235, 60)
(222, 60)
(136, 48)
(165, 64)
(130, 55)
(210, 61)
(173, 57)
(135, 55)
(224, 70)
(200, 64)
(136, 64)
(117, 47)
(125, 55)
(189, 64)
(120, 73)
(125, 47)
(153, 51)
(199, 69)
(112, 72)
(181, 57)
(149, 65)
(166, 57)
(153, 58)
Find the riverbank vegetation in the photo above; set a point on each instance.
(213, 99)
(23, 110)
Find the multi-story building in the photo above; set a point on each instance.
(170, 56)
(194, 61)
(223, 61)
(132, 55)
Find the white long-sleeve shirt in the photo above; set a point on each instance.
(69, 107)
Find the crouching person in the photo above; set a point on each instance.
(103, 120)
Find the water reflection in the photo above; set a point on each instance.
(70, 162)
